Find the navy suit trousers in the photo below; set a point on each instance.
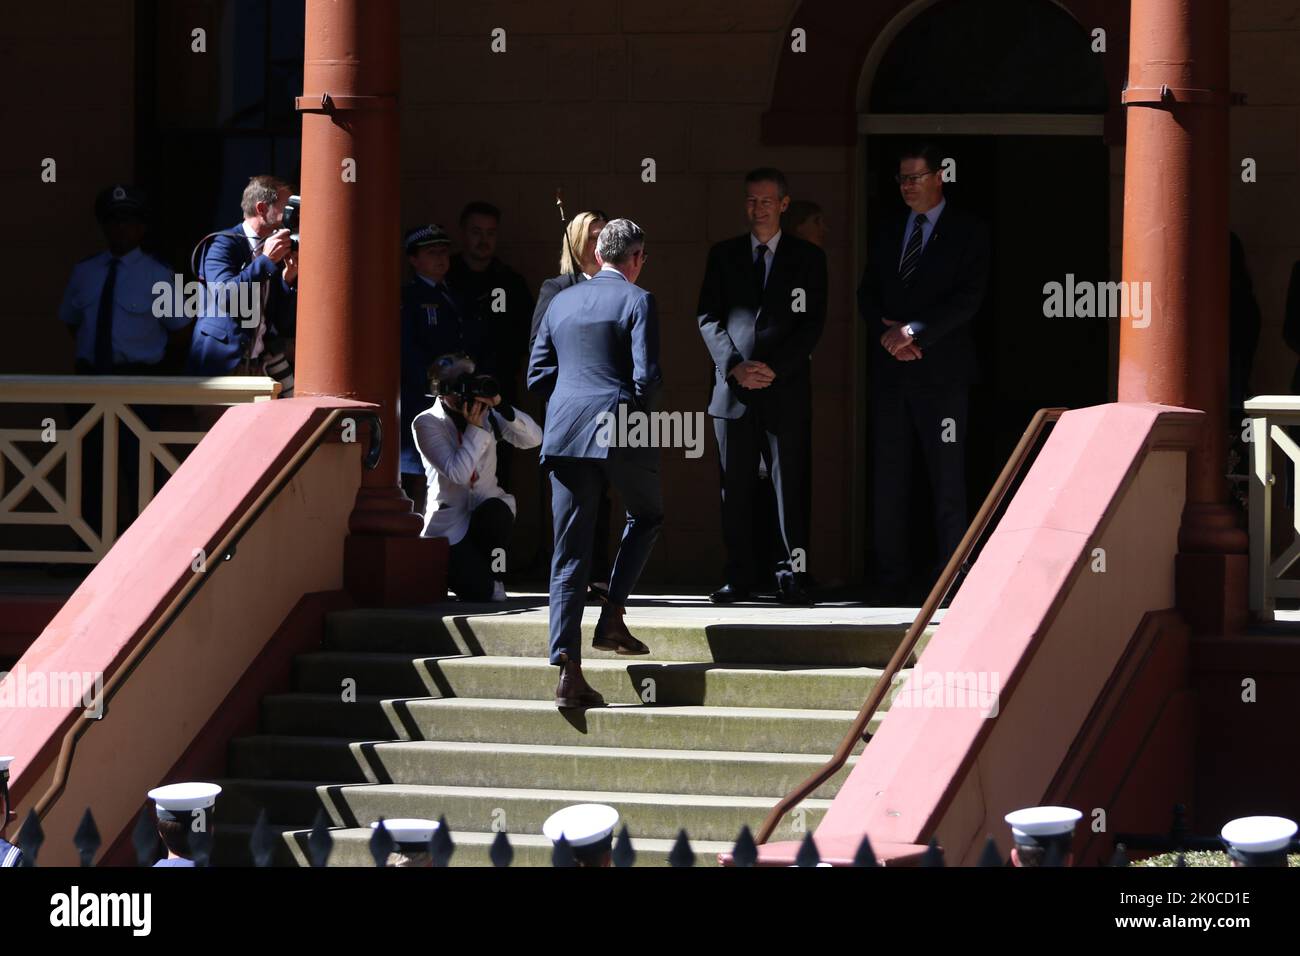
(577, 492)
(937, 415)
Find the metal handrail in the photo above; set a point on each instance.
(1043, 418)
(191, 588)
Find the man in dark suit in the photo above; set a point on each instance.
(925, 280)
(761, 311)
(251, 273)
(597, 349)
(499, 292)
(504, 305)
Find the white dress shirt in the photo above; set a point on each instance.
(255, 242)
(461, 469)
(139, 336)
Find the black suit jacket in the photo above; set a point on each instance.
(776, 328)
(946, 292)
(550, 288)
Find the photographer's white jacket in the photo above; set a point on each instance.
(461, 470)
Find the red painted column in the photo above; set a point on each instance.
(348, 301)
(1176, 238)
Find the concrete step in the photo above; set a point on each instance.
(553, 766)
(620, 680)
(352, 848)
(518, 810)
(761, 729)
(430, 631)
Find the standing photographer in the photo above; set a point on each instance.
(251, 276)
(457, 441)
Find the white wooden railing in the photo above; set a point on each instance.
(1270, 416)
(46, 399)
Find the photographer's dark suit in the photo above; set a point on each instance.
(921, 396)
(220, 340)
(597, 348)
(740, 322)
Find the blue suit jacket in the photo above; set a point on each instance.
(10, 855)
(220, 339)
(597, 347)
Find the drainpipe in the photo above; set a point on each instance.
(350, 267)
(1176, 238)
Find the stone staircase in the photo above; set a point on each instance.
(453, 715)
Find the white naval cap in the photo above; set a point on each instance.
(1034, 824)
(581, 824)
(409, 829)
(183, 797)
(4, 764)
(1258, 834)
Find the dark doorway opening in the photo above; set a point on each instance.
(207, 119)
(1046, 201)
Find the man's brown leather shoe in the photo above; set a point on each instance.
(612, 634)
(573, 689)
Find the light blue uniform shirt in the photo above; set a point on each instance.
(927, 227)
(138, 335)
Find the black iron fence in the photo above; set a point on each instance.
(319, 845)
(266, 838)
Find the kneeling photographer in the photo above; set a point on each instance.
(457, 438)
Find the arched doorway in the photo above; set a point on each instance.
(1014, 95)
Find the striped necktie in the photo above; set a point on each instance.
(912, 256)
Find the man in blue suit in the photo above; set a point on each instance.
(597, 349)
(10, 855)
(251, 276)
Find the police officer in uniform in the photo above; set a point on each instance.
(10, 855)
(108, 302)
(108, 306)
(436, 320)
(183, 809)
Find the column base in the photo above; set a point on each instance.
(393, 571)
(384, 510)
(1211, 592)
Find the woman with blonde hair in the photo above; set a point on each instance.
(578, 264)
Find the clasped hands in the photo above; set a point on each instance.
(752, 374)
(898, 343)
